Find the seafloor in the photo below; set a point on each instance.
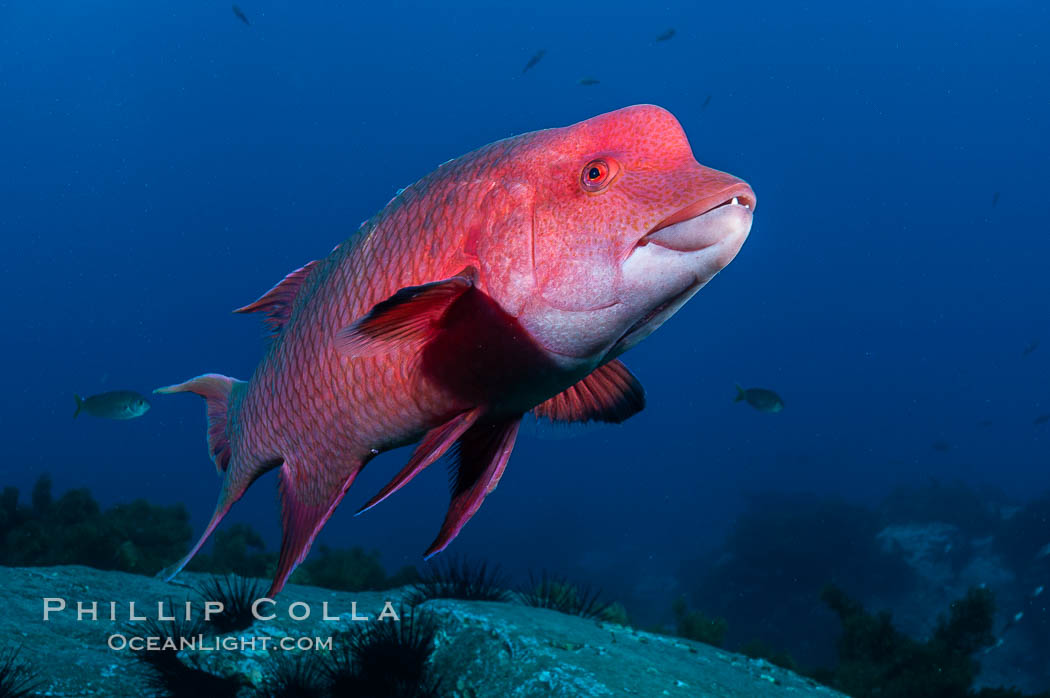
(482, 648)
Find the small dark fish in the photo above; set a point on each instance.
(1030, 347)
(941, 445)
(240, 15)
(761, 399)
(1042, 419)
(118, 404)
(536, 58)
(588, 81)
(667, 35)
(706, 102)
(995, 199)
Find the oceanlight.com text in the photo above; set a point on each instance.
(199, 643)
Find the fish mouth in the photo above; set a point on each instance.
(705, 222)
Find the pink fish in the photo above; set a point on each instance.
(506, 281)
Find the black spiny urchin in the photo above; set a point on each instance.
(18, 678)
(388, 658)
(165, 672)
(236, 594)
(289, 675)
(558, 594)
(460, 579)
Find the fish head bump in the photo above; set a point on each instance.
(607, 227)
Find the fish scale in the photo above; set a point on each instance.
(444, 317)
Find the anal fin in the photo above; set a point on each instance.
(309, 496)
(609, 393)
(483, 452)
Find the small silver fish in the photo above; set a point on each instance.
(587, 81)
(240, 15)
(761, 399)
(117, 404)
(536, 58)
(1038, 591)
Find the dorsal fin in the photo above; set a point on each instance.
(277, 302)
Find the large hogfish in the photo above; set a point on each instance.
(506, 281)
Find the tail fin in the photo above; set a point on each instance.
(223, 506)
(741, 394)
(80, 404)
(222, 394)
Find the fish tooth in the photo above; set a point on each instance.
(735, 201)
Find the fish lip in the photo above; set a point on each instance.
(741, 191)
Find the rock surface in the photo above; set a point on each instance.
(947, 563)
(482, 648)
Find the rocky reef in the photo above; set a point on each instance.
(913, 557)
(479, 648)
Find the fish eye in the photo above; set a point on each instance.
(597, 175)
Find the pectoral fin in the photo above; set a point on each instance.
(409, 316)
(610, 393)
